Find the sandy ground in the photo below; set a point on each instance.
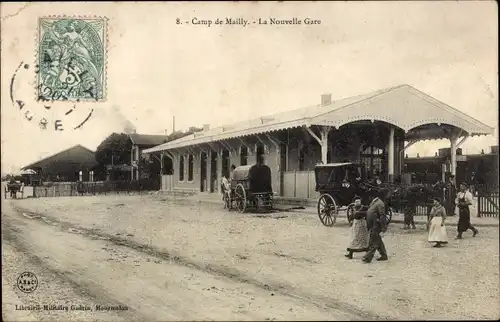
(171, 259)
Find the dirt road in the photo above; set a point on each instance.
(77, 266)
(173, 259)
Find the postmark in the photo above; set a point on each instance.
(71, 59)
(27, 282)
(47, 114)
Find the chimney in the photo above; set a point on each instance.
(173, 124)
(166, 132)
(206, 127)
(326, 99)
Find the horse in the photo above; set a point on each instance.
(407, 199)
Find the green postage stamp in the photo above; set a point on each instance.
(71, 59)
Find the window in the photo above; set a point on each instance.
(91, 176)
(243, 155)
(190, 167)
(181, 168)
(373, 159)
(80, 176)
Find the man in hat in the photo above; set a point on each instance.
(450, 195)
(376, 224)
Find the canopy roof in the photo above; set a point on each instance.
(402, 106)
(147, 139)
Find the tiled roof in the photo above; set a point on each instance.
(403, 106)
(76, 154)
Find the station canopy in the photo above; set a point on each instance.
(418, 114)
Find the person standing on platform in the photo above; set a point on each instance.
(436, 226)
(464, 201)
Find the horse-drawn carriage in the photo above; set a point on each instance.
(338, 185)
(250, 188)
(12, 188)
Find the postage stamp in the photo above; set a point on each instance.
(71, 59)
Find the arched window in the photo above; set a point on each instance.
(181, 168)
(190, 167)
(243, 155)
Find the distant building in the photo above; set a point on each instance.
(472, 168)
(141, 142)
(74, 164)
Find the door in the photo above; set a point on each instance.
(203, 172)
(213, 171)
(282, 167)
(225, 163)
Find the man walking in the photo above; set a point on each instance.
(376, 224)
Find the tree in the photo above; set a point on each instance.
(115, 149)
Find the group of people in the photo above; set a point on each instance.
(368, 226)
(370, 222)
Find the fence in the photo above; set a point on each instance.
(60, 189)
(487, 200)
(299, 184)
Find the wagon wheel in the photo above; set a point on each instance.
(327, 210)
(350, 214)
(240, 198)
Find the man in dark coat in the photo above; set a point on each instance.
(376, 224)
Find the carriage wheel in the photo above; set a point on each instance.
(350, 214)
(327, 210)
(240, 198)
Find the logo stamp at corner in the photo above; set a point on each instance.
(27, 282)
(71, 59)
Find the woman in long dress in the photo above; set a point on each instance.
(437, 229)
(463, 201)
(359, 231)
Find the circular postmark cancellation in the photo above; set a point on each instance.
(27, 282)
(47, 113)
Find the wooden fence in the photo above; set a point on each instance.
(487, 201)
(61, 189)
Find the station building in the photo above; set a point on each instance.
(373, 129)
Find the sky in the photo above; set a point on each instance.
(157, 69)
